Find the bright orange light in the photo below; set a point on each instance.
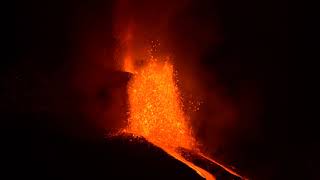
(155, 106)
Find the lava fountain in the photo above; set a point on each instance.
(156, 110)
(155, 106)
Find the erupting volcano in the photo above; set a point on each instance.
(149, 89)
(156, 109)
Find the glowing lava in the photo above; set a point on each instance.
(156, 108)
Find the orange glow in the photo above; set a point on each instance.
(156, 108)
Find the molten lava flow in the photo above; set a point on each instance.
(224, 167)
(156, 108)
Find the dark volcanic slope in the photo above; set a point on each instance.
(33, 147)
(146, 159)
(37, 151)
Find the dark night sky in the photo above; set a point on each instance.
(46, 72)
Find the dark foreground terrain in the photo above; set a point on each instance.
(33, 149)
